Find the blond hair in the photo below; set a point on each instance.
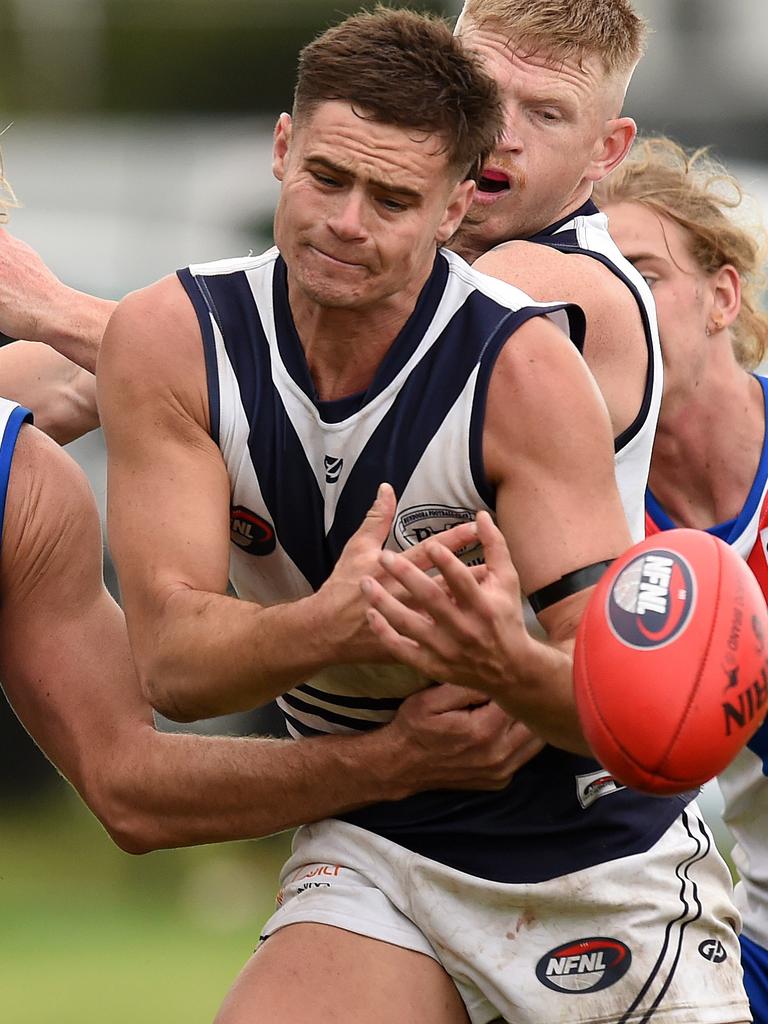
(7, 195)
(698, 193)
(608, 29)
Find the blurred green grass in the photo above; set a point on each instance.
(90, 933)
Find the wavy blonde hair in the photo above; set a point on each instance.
(723, 227)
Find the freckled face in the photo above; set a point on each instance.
(362, 206)
(555, 112)
(660, 250)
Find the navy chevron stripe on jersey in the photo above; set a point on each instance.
(293, 499)
(395, 359)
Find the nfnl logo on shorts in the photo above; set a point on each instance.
(419, 522)
(651, 601)
(584, 965)
(250, 532)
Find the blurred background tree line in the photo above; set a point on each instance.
(703, 79)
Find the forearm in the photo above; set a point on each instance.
(211, 654)
(77, 327)
(167, 790)
(69, 411)
(541, 695)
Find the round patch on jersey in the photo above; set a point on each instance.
(584, 965)
(651, 600)
(250, 532)
(420, 522)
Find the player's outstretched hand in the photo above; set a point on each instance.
(29, 291)
(36, 306)
(466, 627)
(344, 606)
(450, 737)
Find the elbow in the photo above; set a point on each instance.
(134, 831)
(124, 804)
(167, 695)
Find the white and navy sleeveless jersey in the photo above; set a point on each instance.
(11, 418)
(744, 783)
(303, 473)
(585, 233)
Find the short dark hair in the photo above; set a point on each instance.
(402, 68)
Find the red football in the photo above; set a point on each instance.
(671, 662)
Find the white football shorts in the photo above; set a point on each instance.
(646, 938)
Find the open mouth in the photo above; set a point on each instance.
(493, 182)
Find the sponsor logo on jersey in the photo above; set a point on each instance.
(333, 468)
(250, 532)
(593, 785)
(584, 965)
(713, 950)
(420, 522)
(651, 600)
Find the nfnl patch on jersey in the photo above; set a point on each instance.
(652, 599)
(250, 532)
(420, 522)
(584, 965)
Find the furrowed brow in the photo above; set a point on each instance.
(385, 186)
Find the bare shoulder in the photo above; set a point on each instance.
(151, 328)
(547, 274)
(541, 398)
(152, 356)
(615, 347)
(537, 364)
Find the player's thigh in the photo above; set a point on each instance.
(318, 974)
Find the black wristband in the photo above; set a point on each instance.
(571, 583)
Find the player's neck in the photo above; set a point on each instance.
(344, 347)
(704, 462)
(473, 240)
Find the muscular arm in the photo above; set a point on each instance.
(67, 670)
(198, 651)
(548, 449)
(37, 306)
(61, 394)
(615, 347)
(557, 505)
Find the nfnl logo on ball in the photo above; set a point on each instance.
(651, 600)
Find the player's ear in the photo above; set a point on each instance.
(458, 205)
(725, 284)
(280, 142)
(614, 144)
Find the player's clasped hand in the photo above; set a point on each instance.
(466, 627)
(457, 739)
(344, 607)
